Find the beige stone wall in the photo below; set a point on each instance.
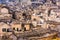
(3, 25)
(27, 27)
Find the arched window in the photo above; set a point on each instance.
(4, 29)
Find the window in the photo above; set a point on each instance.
(4, 29)
(9, 30)
(24, 29)
(13, 28)
(34, 19)
(41, 16)
(17, 29)
(24, 14)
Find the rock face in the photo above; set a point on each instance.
(4, 28)
(4, 10)
(13, 37)
(4, 14)
(21, 21)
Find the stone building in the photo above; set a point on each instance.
(55, 13)
(5, 29)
